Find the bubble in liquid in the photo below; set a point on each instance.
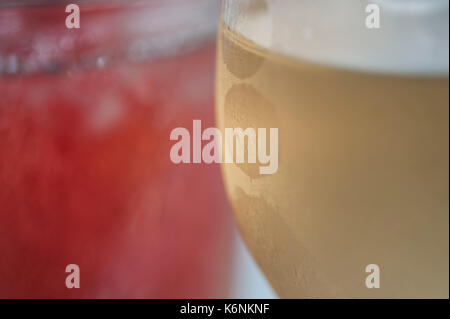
(245, 107)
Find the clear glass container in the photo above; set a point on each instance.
(363, 137)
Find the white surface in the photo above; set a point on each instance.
(248, 280)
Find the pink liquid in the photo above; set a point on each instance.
(86, 179)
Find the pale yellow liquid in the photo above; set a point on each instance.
(362, 177)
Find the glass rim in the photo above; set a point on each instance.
(186, 26)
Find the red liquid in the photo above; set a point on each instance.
(86, 179)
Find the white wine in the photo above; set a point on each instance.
(363, 162)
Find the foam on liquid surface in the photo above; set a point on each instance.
(413, 37)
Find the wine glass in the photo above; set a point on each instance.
(358, 205)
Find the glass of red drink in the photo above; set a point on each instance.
(85, 172)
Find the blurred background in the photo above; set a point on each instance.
(248, 280)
